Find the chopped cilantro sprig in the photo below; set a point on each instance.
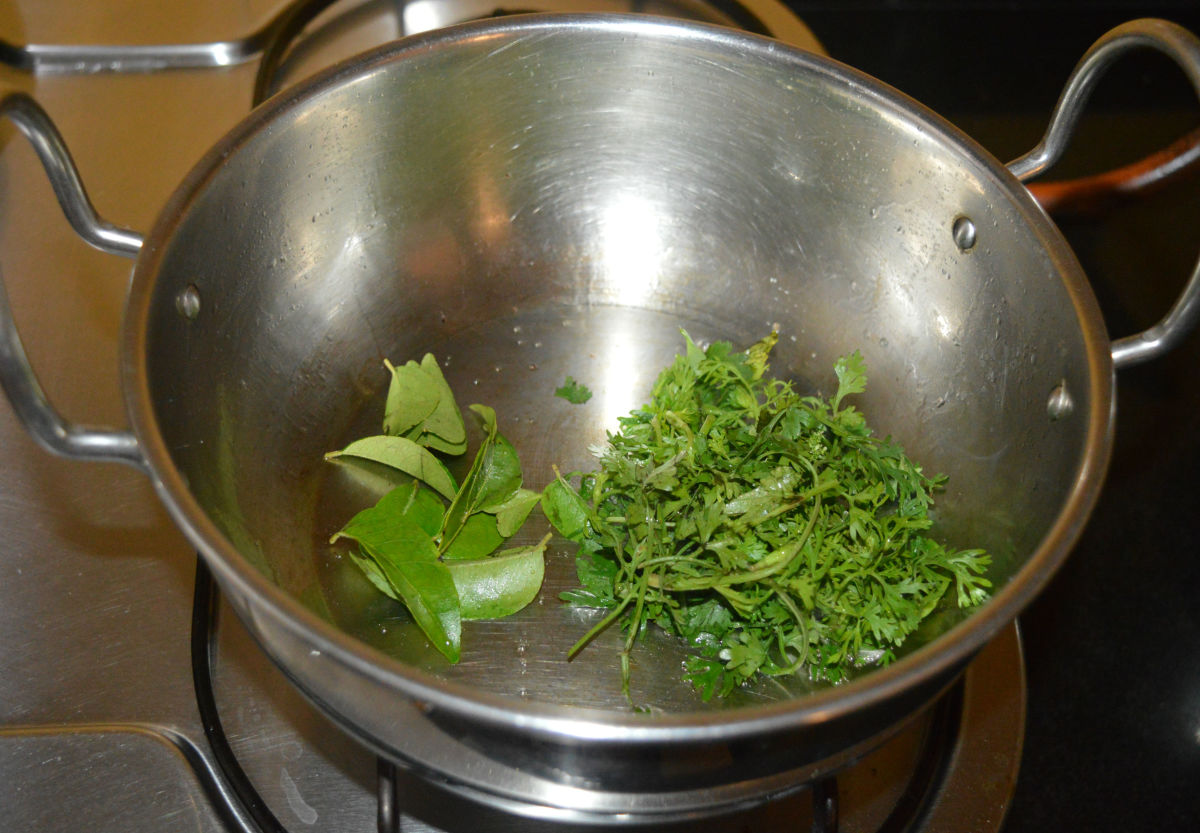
(773, 531)
(574, 392)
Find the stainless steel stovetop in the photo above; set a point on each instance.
(99, 727)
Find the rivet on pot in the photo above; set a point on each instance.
(187, 302)
(1060, 405)
(964, 233)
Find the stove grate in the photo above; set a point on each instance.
(241, 807)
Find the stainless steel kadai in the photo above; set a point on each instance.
(532, 197)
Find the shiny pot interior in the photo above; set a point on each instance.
(537, 197)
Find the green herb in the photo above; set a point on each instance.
(773, 531)
(573, 392)
(440, 561)
(421, 407)
(403, 455)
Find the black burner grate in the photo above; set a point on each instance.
(242, 807)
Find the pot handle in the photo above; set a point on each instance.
(1184, 48)
(1096, 193)
(17, 378)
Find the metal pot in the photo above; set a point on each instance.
(540, 196)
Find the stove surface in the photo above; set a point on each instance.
(96, 584)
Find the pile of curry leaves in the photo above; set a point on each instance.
(773, 531)
(440, 560)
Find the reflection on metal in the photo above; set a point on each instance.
(766, 17)
(168, 774)
(92, 59)
(87, 60)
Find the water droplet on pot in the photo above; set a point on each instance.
(187, 302)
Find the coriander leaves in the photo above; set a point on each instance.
(440, 560)
(574, 392)
(775, 532)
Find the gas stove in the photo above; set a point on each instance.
(132, 699)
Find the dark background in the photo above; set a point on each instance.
(1113, 645)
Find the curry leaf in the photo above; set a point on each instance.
(511, 514)
(420, 407)
(565, 509)
(494, 477)
(393, 513)
(427, 589)
(446, 422)
(412, 547)
(373, 573)
(498, 473)
(478, 536)
(499, 585)
(403, 455)
(405, 556)
(412, 396)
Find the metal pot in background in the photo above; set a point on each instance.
(565, 192)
